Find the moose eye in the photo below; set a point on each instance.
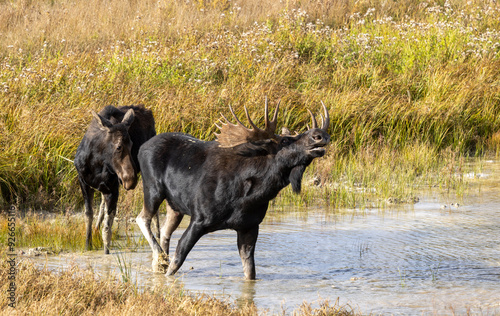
(285, 142)
(119, 148)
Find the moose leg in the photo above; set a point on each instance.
(189, 238)
(88, 196)
(156, 224)
(150, 209)
(111, 202)
(171, 223)
(102, 211)
(246, 247)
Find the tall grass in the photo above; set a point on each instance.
(399, 78)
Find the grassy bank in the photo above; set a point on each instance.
(412, 87)
(58, 232)
(39, 291)
(35, 230)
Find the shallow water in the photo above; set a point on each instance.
(414, 259)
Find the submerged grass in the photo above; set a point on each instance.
(406, 83)
(377, 177)
(66, 232)
(59, 232)
(40, 291)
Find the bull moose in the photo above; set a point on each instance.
(222, 184)
(107, 157)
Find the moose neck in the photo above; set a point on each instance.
(286, 167)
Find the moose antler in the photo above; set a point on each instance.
(235, 134)
(325, 119)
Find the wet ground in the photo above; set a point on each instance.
(432, 257)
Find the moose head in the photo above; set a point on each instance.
(118, 145)
(256, 141)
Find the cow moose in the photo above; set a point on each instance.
(107, 157)
(222, 184)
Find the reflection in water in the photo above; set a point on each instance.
(247, 290)
(420, 259)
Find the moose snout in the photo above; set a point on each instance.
(129, 183)
(320, 138)
(128, 178)
(317, 142)
(126, 172)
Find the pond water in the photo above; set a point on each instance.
(413, 259)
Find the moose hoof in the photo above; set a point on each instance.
(160, 265)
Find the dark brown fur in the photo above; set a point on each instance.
(107, 156)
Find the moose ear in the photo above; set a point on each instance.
(285, 131)
(129, 117)
(103, 123)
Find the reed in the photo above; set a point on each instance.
(395, 77)
(124, 266)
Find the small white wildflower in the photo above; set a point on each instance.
(369, 12)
